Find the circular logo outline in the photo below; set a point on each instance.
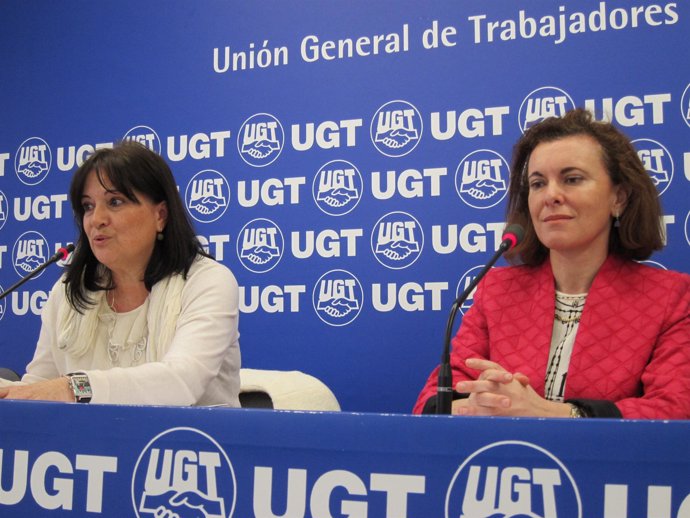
(526, 444)
(372, 132)
(281, 140)
(670, 159)
(205, 436)
(529, 95)
(458, 291)
(226, 184)
(372, 243)
(281, 247)
(685, 100)
(43, 258)
(4, 209)
(41, 176)
(458, 185)
(158, 139)
(314, 298)
(314, 190)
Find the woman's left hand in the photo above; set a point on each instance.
(497, 392)
(57, 389)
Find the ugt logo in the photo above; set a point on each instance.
(685, 105)
(657, 161)
(183, 472)
(397, 240)
(480, 179)
(29, 252)
(539, 486)
(464, 282)
(396, 128)
(337, 187)
(207, 196)
(338, 297)
(146, 136)
(260, 139)
(260, 245)
(4, 208)
(33, 160)
(542, 103)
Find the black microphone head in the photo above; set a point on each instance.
(64, 251)
(513, 234)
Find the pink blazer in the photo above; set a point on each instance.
(632, 347)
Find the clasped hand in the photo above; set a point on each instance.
(497, 392)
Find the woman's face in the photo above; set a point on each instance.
(121, 233)
(571, 196)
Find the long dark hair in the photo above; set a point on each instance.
(130, 167)
(640, 232)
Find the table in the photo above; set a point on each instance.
(118, 461)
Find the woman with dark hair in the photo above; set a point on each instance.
(576, 327)
(142, 315)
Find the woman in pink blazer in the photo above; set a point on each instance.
(577, 328)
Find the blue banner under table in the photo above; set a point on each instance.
(78, 460)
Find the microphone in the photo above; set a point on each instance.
(512, 235)
(60, 255)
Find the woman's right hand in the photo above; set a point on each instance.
(498, 376)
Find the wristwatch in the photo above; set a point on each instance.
(575, 411)
(81, 387)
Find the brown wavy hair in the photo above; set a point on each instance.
(640, 232)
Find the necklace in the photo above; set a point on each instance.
(115, 349)
(569, 308)
(111, 305)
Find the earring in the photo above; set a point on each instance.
(617, 220)
(159, 236)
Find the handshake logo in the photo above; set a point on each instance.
(33, 161)
(397, 240)
(260, 140)
(260, 245)
(480, 179)
(29, 252)
(337, 187)
(396, 128)
(170, 482)
(4, 209)
(207, 196)
(657, 161)
(338, 297)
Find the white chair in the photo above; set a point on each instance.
(285, 390)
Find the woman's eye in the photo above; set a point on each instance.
(86, 207)
(573, 179)
(116, 202)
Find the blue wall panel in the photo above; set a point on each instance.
(303, 167)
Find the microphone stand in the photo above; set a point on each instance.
(61, 254)
(444, 397)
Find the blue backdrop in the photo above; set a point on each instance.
(347, 160)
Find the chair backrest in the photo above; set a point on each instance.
(285, 390)
(9, 374)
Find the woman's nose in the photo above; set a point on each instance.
(554, 193)
(99, 216)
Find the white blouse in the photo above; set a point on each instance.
(200, 366)
(565, 323)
